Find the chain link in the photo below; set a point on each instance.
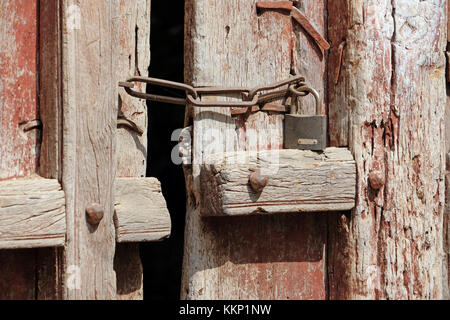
(295, 87)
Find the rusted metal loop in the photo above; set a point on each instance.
(123, 122)
(31, 125)
(154, 97)
(272, 96)
(227, 104)
(221, 90)
(306, 89)
(166, 83)
(292, 80)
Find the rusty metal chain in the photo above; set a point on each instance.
(295, 86)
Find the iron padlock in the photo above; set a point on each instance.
(305, 132)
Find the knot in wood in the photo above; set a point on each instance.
(376, 179)
(258, 182)
(94, 213)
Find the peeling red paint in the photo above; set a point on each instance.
(18, 88)
(19, 151)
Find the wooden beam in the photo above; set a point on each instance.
(389, 107)
(32, 214)
(89, 96)
(298, 181)
(134, 60)
(141, 212)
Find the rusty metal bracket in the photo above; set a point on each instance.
(339, 64)
(124, 122)
(31, 125)
(300, 18)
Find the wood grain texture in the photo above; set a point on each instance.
(300, 181)
(134, 60)
(89, 142)
(19, 151)
(49, 260)
(237, 258)
(308, 60)
(50, 89)
(446, 264)
(141, 212)
(446, 271)
(388, 106)
(32, 214)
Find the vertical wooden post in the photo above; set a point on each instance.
(254, 257)
(388, 107)
(134, 59)
(89, 126)
(447, 173)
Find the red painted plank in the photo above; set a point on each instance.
(18, 104)
(18, 87)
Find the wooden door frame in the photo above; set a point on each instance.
(79, 115)
(68, 60)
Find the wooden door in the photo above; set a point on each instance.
(18, 148)
(383, 83)
(73, 151)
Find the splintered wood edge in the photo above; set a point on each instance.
(141, 213)
(230, 195)
(32, 214)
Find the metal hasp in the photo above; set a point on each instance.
(305, 132)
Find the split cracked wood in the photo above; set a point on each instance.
(134, 60)
(90, 110)
(389, 108)
(141, 211)
(32, 214)
(299, 181)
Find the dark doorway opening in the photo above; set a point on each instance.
(162, 262)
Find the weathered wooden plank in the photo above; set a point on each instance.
(308, 60)
(49, 260)
(50, 89)
(32, 214)
(446, 271)
(89, 51)
(18, 149)
(134, 60)
(298, 181)
(18, 88)
(237, 258)
(446, 265)
(141, 212)
(389, 107)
